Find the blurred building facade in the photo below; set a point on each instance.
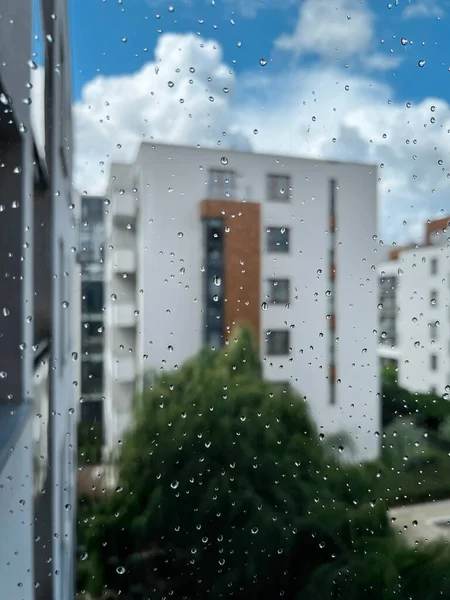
(199, 240)
(415, 311)
(38, 271)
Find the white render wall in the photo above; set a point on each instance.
(171, 182)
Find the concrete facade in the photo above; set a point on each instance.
(155, 278)
(37, 264)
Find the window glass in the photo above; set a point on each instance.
(279, 187)
(277, 239)
(433, 297)
(222, 184)
(434, 362)
(277, 342)
(434, 266)
(278, 290)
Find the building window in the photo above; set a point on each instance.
(277, 342)
(215, 339)
(433, 362)
(92, 377)
(433, 331)
(433, 297)
(434, 266)
(92, 296)
(332, 385)
(278, 291)
(278, 239)
(222, 184)
(92, 337)
(332, 197)
(279, 188)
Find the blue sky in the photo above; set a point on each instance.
(99, 26)
(342, 81)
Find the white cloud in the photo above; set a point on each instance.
(330, 28)
(183, 96)
(322, 112)
(422, 9)
(382, 62)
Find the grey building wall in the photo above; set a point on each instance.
(37, 266)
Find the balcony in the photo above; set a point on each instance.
(124, 261)
(123, 368)
(123, 208)
(121, 315)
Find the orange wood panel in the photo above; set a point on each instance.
(242, 269)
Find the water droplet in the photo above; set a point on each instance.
(254, 530)
(68, 507)
(263, 62)
(224, 160)
(421, 63)
(65, 304)
(74, 355)
(180, 234)
(120, 570)
(174, 484)
(5, 312)
(264, 305)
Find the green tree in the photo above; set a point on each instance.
(212, 477)
(226, 491)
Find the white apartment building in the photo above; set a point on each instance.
(417, 307)
(200, 239)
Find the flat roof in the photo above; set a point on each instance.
(252, 152)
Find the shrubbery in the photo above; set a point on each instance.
(225, 491)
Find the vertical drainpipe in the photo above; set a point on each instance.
(332, 280)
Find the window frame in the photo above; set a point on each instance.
(281, 248)
(433, 296)
(271, 334)
(273, 284)
(218, 188)
(433, 362)
(434, 266)
(271, 184)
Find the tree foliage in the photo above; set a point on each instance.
(226, 491)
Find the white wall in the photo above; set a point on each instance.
(16, 522)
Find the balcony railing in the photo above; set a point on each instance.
(123, 368)
(121, 315)
(123, 207)
(123, 261)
